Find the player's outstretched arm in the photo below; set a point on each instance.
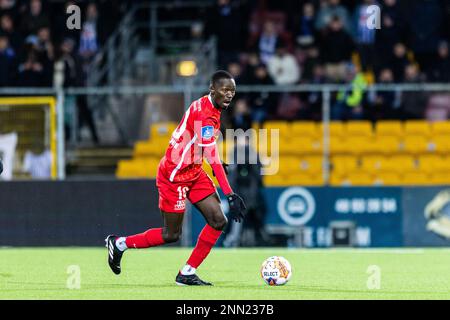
(237, 205)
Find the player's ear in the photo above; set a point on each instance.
(211, 88)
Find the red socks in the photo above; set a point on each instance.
(206, 240)
(153, 237)
(149, 238)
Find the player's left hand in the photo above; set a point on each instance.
(237, 207)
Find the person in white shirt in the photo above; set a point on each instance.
(38, 165)
(283, 67)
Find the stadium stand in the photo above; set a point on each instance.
(394, 153)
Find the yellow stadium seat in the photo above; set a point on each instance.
(417, 127)
(256, 126)
(440, 128)
(336, 179)
(306, 145)
(283, 127)
(337, 145)
(289, 165)
(415, 178)
(415, 144)
(374, 163)
(401, 163)
(431, 163)
(138, 168)
(439, 143)
(305, 128)
(280, 146)
(336, 129)
(440, 178)
(147, 169)
(387, 179)
(305, 179)
(358, 128)
(162, 129)
(126, 169)
(276, 181)
(343, 164)
(386, 144)
(359, 178)
(359, 144)
(146, 148)
(445, 165)
(312, 164)
(389, 128)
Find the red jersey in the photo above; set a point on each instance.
(198, 128)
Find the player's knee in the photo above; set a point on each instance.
(170, 237)
(220, 224)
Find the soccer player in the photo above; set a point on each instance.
(180, 176)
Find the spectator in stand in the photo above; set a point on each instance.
(252, 62)
(7, 26)
(268, 41)
(9, 7)
(283, 67)
(349, 102)
(312, 59)
(307, 33)
(385, 40)
(7, 61)
(329, 9)
(242, 118)
(314, 99)
(384, 104)
(364, 37)
(35, 18)
(413, 102)
(262, 103)
(398, 62)
(336, 48)
(31, 71)
(425, 25)
(89, 40)
(225, 22)
(235, 69)
(46, 53)
(440, 71)
(68, 64)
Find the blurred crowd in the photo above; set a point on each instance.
(328, 41)
(261, 42)
(38, 50)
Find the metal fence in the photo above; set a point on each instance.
(189, 93)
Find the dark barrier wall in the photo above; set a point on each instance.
(82, 213)
(78, 213)
(382, 216)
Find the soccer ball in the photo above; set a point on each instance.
(276, 271)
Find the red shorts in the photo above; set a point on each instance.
(172, 195)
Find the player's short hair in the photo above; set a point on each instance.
(219, 75)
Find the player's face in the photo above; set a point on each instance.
(223, 92)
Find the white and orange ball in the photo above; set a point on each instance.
(276, 271)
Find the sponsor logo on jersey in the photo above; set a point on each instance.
(181, 205)
(207, 132)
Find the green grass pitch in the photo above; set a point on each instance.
(42, 273)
